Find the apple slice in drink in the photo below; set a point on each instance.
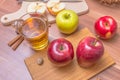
(54, 7)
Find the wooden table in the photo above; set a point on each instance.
(12, 66)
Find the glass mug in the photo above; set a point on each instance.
(34, 28)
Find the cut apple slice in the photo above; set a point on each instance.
(58, 7)
(54, 6)
(37, 7)
(52, 3)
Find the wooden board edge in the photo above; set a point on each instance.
(103, 69)
(28, 68)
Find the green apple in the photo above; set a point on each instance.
(67, 21)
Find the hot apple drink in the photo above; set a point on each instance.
(35, 32)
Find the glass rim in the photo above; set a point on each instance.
(34, 17)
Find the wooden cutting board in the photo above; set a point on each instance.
(78, 7)
(73, 71)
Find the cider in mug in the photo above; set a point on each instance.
(35, 31)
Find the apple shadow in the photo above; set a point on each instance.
(67, 68)
(113, 40)
(79, 27)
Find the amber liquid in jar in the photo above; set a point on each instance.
(35, 32)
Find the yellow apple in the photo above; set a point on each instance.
(67, 21)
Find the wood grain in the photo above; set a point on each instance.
(72, 71)
(12, 66)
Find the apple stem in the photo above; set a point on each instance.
(61, 47)
(107, 26)
(67, 16)
(94, 43)
(97, 36)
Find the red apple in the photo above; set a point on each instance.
(89, 51)
(106, 27)
(60, 52)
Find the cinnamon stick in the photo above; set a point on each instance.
(17, 43)
(14, 40)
